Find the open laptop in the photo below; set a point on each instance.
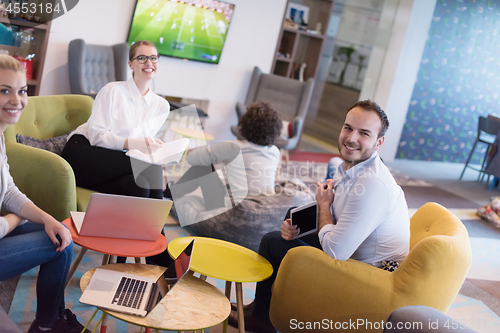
(130, 293)
(118, 216)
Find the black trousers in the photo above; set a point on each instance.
(274, 248)
(110, 171)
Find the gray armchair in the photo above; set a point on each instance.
(290, 96)
(91, 67)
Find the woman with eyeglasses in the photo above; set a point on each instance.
(126, 115)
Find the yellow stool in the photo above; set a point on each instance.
(225, 261)
(190, 134)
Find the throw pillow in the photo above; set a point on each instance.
(55, 145)
(288, 131)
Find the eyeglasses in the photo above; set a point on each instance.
(142, 59)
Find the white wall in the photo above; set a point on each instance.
(251, 41)
(391, 85)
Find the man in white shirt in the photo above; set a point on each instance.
(362, 212)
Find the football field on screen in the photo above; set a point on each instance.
(180, 30)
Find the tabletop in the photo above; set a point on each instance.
(223, 260)
(117, 246)
(190, 304)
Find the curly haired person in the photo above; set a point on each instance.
(250, 163)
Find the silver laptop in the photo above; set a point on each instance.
(118, 216)
(132, 294)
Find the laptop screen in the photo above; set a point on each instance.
(181, 264)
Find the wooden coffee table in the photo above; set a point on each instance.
(192, 304)
(225, 261)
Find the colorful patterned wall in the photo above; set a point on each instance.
(458, 80)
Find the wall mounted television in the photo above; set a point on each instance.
(188, 29)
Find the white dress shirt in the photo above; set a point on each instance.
(120, 112)
(372, 218)
(253, 174)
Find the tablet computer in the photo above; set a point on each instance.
(306, 218)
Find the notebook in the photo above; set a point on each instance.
(119, 216)
(129, 293)
(169, 153)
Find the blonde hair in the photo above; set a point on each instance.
(8, 62)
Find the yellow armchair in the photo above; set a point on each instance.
(314, 292)
(45, 177)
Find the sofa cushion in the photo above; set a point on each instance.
(247, 222)
(55, 145)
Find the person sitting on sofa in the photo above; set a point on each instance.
(125, 115)
(254, 174)
(29, 237)
(362, 212)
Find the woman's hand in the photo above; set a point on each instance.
(289, 231)
(145, 145)
(54, 228)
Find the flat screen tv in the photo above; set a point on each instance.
(189, 29)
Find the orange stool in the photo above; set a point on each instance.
(112, 247)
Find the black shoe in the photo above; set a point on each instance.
(72, 323)
(69, 324)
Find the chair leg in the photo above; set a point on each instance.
(228, 295)
(239, 302)
(468, 159)
(287, 159)
(492, 186)
(483, 164)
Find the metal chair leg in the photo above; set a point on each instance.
(468, 159)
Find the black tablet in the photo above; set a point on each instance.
(306, 218)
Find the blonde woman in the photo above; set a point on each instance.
(29, 237)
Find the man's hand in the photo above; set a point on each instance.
(54, 228)
(288, 231)
(324, 193)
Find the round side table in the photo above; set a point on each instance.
(225, 261)
(191, 304)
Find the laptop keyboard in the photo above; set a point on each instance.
(130, 292)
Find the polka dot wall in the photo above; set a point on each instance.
(458, 81)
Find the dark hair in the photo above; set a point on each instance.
(372, 106)
(135, 45)
(260, 124)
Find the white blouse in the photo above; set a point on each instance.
(120, 112)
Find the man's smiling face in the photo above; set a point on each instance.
(359, 136)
